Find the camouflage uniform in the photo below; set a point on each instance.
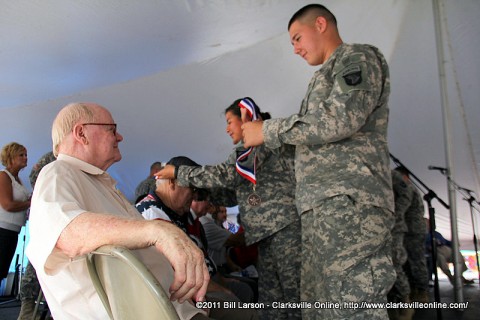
(274, 224)
(43, 161)
(416, 266)
(344, 190)
(403, 193)
(30, 287)
(400, 292)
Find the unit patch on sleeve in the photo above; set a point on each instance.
(352, 75)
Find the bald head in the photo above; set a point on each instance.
(86, 131)
(67, 118)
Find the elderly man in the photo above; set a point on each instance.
(76, 209)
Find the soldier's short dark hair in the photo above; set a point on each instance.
(312, 11)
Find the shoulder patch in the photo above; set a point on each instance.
(352, 75)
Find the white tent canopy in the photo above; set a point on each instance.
(168, 69)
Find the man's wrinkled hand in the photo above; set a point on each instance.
(191, 275)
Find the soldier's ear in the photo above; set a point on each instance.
(321, 24)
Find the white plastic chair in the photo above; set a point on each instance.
(128, 290)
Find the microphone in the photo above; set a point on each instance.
(437, 168)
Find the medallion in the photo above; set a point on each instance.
(254, 199)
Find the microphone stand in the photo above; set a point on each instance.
(470, 201)
(429, 195)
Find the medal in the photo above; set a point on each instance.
(254, 199)
(247, 170)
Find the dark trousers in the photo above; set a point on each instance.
(8, 244)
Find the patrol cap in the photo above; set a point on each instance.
(201, 194)
(182, 161)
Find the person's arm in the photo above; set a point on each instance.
(235, 240)
(191, 274)
(232, 266)
(403, 195)
(441, 240)
(218, 237)
(222, 175)
(6, 196)
(338, 117)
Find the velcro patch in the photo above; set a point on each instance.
(352, 75)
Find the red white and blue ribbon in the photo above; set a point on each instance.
(246, 172)
(249, 105)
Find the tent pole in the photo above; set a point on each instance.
(458, 283)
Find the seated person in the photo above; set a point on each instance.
(243, 288)
(148, 184)
(445, 256)
(220, 239)
(76, 209)
(244, 256)
(171, 202)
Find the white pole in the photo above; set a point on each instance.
(458, 282)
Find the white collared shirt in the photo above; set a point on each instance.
(65, 189)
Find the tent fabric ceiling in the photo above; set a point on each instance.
(167, 69)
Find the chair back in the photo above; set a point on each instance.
(127, 289)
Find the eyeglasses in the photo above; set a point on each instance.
(114, 130)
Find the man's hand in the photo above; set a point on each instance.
(190, 272)
(252, 133)
(167, 172)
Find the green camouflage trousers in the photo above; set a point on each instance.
(279, 272)
(346, 253)
(416, 266)
(401, 288)
(30, 287)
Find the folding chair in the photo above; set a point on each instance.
(127, 289)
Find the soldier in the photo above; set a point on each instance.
(400, 291)
(268, 211)
(414, 242)
(344, 188)
(30, 288)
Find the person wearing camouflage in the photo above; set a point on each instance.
(43, 161)
(400, 292)
(30, 287)
(272, 222)
(344, 188)
(414, 242)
